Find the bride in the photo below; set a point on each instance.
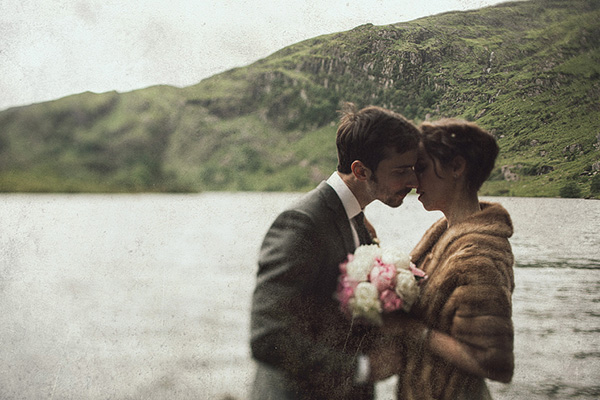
(460, 330)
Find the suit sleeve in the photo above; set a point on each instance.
(280, 323)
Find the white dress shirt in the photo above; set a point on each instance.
(352, 208)
(349, 202)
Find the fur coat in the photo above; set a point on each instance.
(468, 296)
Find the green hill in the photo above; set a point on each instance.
(527, 71)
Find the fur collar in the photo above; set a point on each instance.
(492, 220)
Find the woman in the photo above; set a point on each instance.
(461, 329)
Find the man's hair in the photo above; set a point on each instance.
(448, 138)
(365, 135)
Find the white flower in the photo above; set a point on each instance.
(397, 257)
(366, 301)
(370, 251)
(362, 262)
(407, 288)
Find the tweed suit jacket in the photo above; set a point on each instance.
(304, 346)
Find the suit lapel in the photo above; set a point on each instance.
(339, 216)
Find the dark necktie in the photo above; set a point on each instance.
(364, 237)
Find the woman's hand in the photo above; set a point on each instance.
(416, 336)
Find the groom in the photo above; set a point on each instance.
(305, 347)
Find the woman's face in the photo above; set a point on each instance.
(436, 184)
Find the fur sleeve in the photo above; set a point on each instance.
(481, 303)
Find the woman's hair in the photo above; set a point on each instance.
(365, 135)
(448, 138)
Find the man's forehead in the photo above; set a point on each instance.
(408, 155)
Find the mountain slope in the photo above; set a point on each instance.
(527, 71)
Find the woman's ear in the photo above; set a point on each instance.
(360, 171)
(459, 166)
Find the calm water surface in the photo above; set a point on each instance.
(147, 296)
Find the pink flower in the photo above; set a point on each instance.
(344, 265)
(346, 289)
(343, 268)
(418, 273)
(382, 276)
(390, 301)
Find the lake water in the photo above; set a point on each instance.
(147, 296)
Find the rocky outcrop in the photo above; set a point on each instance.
(508, 173)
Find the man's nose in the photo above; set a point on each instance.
(413, 182)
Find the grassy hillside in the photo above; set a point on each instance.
(527, 71)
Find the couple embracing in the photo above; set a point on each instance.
(459, 331)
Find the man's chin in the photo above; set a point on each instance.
(396, 202)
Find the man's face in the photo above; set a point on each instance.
(394, 178)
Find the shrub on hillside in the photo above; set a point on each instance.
(570, 190)
(595, 185)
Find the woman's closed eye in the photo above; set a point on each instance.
(419, 168)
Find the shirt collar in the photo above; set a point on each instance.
(350, 203)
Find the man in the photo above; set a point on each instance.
(305, 347)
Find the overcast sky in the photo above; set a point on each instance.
(53, 48)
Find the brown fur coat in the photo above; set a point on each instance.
(468, 296)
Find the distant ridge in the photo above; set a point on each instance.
(527, 71)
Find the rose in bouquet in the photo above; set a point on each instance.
(375, 280)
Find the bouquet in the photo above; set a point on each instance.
(375, 281)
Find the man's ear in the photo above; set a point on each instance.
(360, 171)
(459, 166)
